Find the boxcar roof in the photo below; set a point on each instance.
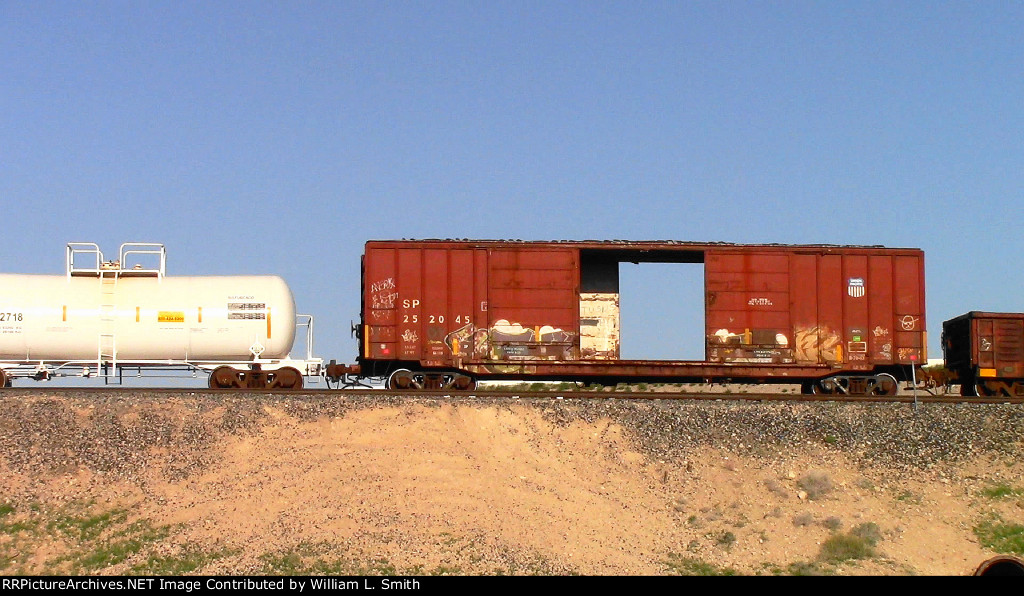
(640, 245)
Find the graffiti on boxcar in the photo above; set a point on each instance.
(881, 344)
(381, 294)
(907, 353)
(751, 345)
(758, 337)
(817, 344)
(514, 341)
(384, 284)
(461, 341)
(502, 330)
(724, 336)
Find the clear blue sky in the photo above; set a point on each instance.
(262, 137)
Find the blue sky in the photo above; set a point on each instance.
(261, 137)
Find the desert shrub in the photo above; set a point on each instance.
(815, 484)
(682, 565)
(844, 547)
(1000, 491)
(804, 519)
(1001, 537)
(773, 486)
(868, 531)
(832, 523)
(804, 568)
(726, 539)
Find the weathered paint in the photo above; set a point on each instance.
(493, 307)
(599, 326)
(985, 344)
(856, 310)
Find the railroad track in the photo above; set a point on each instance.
(922, 397)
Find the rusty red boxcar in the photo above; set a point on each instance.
(985, 350)
(446, 313)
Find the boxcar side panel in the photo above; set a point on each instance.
(880, 309)
(747, 307)
(380, 300)
(533, 304)
(803, 291)
(908, 287)
(410, 302)
(1008, 347)
(824, 340)
(516, 308)
(855, 309)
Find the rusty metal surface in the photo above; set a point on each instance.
(625, 245)
(651, 370)
(850, 310)
(552, 308)
(985, 345)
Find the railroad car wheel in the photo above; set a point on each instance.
(225, 377)
(456, 381)
(404, 378)
(436, 381)
(975, 388)
(885, 384)
(824, 387)
(464, 383)
(285, 378)
(811, 388)
(4, 381)
(983, 389)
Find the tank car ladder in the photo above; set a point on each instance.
(91, 264)
(107, 351)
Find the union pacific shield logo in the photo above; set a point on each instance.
(855, 287)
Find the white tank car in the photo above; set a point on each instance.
(61, 318)
(109, 315)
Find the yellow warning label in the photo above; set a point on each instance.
(987, 372)
(170, 316)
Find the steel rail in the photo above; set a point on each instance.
(580, 395)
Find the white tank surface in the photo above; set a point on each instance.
(114, 315)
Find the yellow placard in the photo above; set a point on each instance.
(987, 372)
(170, 316)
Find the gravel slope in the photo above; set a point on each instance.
(353, 484)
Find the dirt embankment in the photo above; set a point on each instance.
(343, 484)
